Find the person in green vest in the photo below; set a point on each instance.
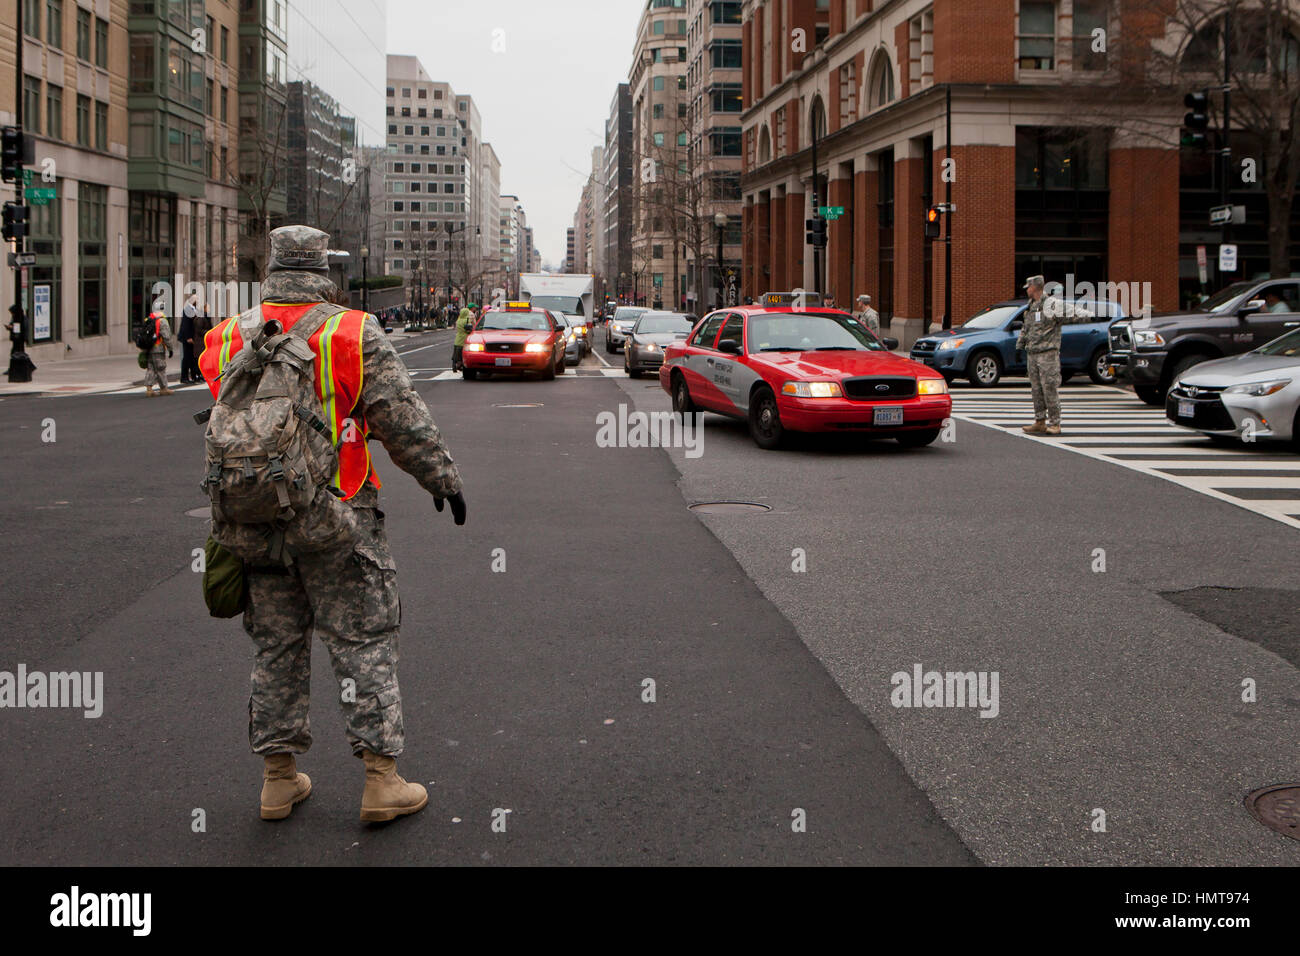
(464, 325)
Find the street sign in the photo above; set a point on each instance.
(27, 177)
(831, 212)
(1220, 215)
(1202, 265)
(22, 260)
(1227, 258)
(40, 197)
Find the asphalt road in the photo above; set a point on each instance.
(523, 690)
(1119, 691)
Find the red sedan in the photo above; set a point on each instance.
(514, 338)
(785, 367)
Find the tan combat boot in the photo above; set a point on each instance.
(387, 796)
(165, 391)
(282, 786)
(1053, 430)
(1039, 427)
(148, 391)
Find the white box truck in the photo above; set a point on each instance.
(574, 295)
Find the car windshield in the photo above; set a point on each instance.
(652, 324)
(626, 314)
(992, 318)
(810, 332)
(568, 304)
(515, 321)
(1288, 346)
(1222, 299)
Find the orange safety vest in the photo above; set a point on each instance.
(340, 375)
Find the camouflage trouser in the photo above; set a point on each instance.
(349, 598)
(1045, 383)
(155, 373)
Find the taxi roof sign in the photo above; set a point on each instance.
(792, 298)
(519, 307)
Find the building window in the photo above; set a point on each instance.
(1089, 16)
(726, 12)
(225, 45)
(32, 104)
(92, 238)
(101, 43)
(142, 64)
(83, 120)
(1037, 36)
(32, 18)
(53, 111)
(54, 22)
(725, 54)
(83, 34)
(101, 126)
(880, 92)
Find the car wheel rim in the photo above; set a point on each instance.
(766, 419)
(985, 370)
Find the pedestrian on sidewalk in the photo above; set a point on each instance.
(464, 323)
(1040, 338)
(163, 348)
(343, 589)
(867, 315)
(188, 333)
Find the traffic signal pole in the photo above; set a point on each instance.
(1226, 165)
(18, 371)
(947, 199)
(817, 212)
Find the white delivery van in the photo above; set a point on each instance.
(571, 294)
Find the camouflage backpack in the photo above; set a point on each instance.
(270, 456)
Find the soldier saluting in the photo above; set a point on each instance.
(346, 593)
(1040, 338)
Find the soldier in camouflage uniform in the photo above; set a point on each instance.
(348, 597)
(1040, 338)
(155, 372)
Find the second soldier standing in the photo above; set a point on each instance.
(1040, 338)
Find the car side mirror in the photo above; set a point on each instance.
(1251, 307)
(890, 344)
(1017, 325)
(729, 346)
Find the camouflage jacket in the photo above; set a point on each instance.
(1043, 321)
(166, 341)
(393, 410)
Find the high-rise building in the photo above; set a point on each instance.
(616, 193)
(263, 129)
(74, 107)
(660, 142)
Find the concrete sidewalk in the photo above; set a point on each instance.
(105, 373)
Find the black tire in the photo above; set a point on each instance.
(634, 373)
(1150, 394)
(609, 346)
(765, 420)
(918, 439)
(984, 368)
(682, 402)
(549, 374)
(1181, 366)
(1066, 376)
(561, 366)
(469, 374)
(1099, 368)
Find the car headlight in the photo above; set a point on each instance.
(474, 347)
(1258, 389)
(931, 386)
(581, 330)
(951, 344)
(1147, 337)
(649, 346)
(537, 347)
(573, 337)
(812, 389)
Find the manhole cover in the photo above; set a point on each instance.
(199, 513)
(521, 405)
(729, 508)
(1278, 808)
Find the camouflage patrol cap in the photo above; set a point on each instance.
(299, 249)
(1035, 280)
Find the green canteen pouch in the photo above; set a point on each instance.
(143, 360)
(224, 586)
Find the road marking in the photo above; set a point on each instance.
(1108, 424)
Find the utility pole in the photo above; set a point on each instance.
(816, 212)
(19, 364)
(947, 198)
(1226, 162)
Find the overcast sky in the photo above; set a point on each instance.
(544, 100)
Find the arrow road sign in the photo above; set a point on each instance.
(1220, 215)
(22, 260)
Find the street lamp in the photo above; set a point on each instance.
(365, 279)
(720, 219)
(622, 284)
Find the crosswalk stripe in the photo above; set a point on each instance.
(1111, 425)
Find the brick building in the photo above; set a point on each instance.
(1063, 164)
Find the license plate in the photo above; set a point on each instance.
(503, 360)
(888, 416)
(1186, 410)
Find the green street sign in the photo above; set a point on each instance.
(27, 177)
(831, 212)
(40, 197)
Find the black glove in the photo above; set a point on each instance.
(171, 354)
(457, 506)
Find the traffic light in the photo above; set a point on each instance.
(12, 150)
(816, 232)
(1197, 121)
(933, 222)
(15, 222)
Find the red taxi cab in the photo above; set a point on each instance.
(514, 338)
(788, 364)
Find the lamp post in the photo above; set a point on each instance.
(365, 279)
(720, 219)
(622, 284)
